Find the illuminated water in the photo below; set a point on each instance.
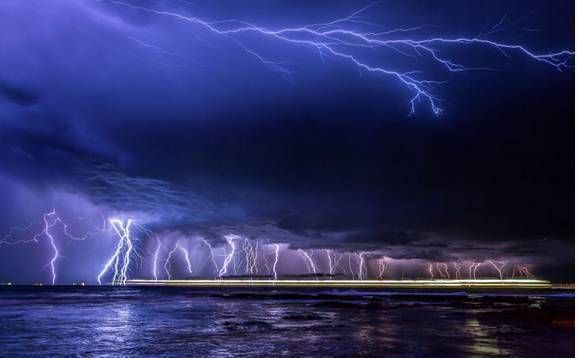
(42, 321)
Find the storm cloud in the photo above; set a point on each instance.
(104, 108)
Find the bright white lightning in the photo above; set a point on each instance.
(46, 231)
(186, 258)
(276, 257)
(155, 259)
(122, 230)
(362, 265)
(167, 262)
(251, 257)
(308, 260)
(230, 240)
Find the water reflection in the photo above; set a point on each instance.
(483, 342)
(176, 323)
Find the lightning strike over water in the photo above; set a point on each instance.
(276, 257)
(211, 254)
(49, 221)
(383, 266)
(498, 265)
(121, 254)
(308, 260)
(186, 258)
(347, 39)
(457, 267)
(230, 239)
(362, 275)
(443, 270)
(271, 178)
(46, 231)
(167, 262)
(155, 259)
(330, 262)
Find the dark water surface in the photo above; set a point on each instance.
(114, 321)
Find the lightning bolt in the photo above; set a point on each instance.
(457, 267)
(523, 271)
(498, 265)
(345, 39)
(473, 270)
(351, 266)
(430, 270)
(362, 266)
(330, 261)
(212, 254)
(167, 262)
(122, 230)
(251, 257)
(11, 232)
(308, 260)
(443, 270)
(276, 257)
(46, 231)
(337, 264)
(186, 258)
(230, 240)
(383, 266)
(155, 259)
(49, 220)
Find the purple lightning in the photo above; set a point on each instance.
(498, 265)
(49, 220)
(342, 39)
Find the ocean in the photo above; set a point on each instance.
(177, 322)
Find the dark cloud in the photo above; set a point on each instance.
(19, 95)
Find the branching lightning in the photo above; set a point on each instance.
(212, 254)
(49, 221)
(457, 267)
(230, 239)
(498, 265)
(348, 39)
(308, 260)
(119, 263)
(121, 255)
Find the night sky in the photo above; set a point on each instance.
(108, 110)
